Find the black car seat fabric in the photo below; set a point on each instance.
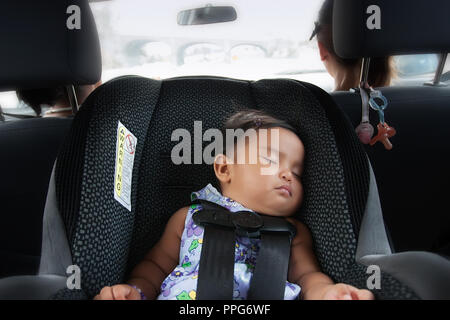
(106, 240)
(413, 178)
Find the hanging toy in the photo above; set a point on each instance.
(368, 95)
(384, 130)
(364, 130)
(384, 133)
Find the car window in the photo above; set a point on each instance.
(415, 69)
(446, 72)
(13, 109)
(9, 104)
(267, 40)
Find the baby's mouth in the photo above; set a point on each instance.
(285, 189)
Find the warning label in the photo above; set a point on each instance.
(125, 151)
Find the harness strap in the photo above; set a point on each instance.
(216, 269)
(270, 274)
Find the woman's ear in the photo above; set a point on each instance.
(222, 168)
(328, 60)
(324, 54)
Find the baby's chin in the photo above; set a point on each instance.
(276, 212)
(276, 206)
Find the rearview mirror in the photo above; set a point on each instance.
(206, 15)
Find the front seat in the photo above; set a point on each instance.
(41, 53)
(413, 176)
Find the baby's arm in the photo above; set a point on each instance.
(304, 270)
(160, 261)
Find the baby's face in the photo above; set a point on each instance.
(272, 185)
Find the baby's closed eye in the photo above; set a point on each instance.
(266, 160)
(298, 175)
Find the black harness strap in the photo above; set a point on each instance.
(270, 274)
(216, 270)
(214, 282)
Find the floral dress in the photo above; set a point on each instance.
(181, 284)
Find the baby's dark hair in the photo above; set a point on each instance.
(254, 119)
(251, 119)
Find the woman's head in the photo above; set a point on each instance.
(346, 72)
(53, 96)
(262, 164)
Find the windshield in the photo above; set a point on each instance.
(268, 39)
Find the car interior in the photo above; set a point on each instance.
(364, 206)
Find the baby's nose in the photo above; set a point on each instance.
(286, 175)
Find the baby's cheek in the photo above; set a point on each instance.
(298, 195)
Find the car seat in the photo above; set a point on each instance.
(85, 226)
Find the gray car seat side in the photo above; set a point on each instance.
(372, 234)
(41, 287)
(426, 273)
(55, 254)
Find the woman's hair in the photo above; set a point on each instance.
(381, 70)
(49, 96)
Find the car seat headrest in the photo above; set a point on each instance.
(48, 43)
(377, 28)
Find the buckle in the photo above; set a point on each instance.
(215, 217)
(247, 223)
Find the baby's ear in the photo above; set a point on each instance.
(222, 168)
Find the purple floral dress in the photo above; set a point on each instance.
(181, 284)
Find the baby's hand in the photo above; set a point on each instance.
(118, 292)
(343, 291)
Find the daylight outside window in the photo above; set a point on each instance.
(267, 40)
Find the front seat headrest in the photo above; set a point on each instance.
(377, 28)
(48, 43)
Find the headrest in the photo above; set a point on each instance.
(47, 43)
(375, 28)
